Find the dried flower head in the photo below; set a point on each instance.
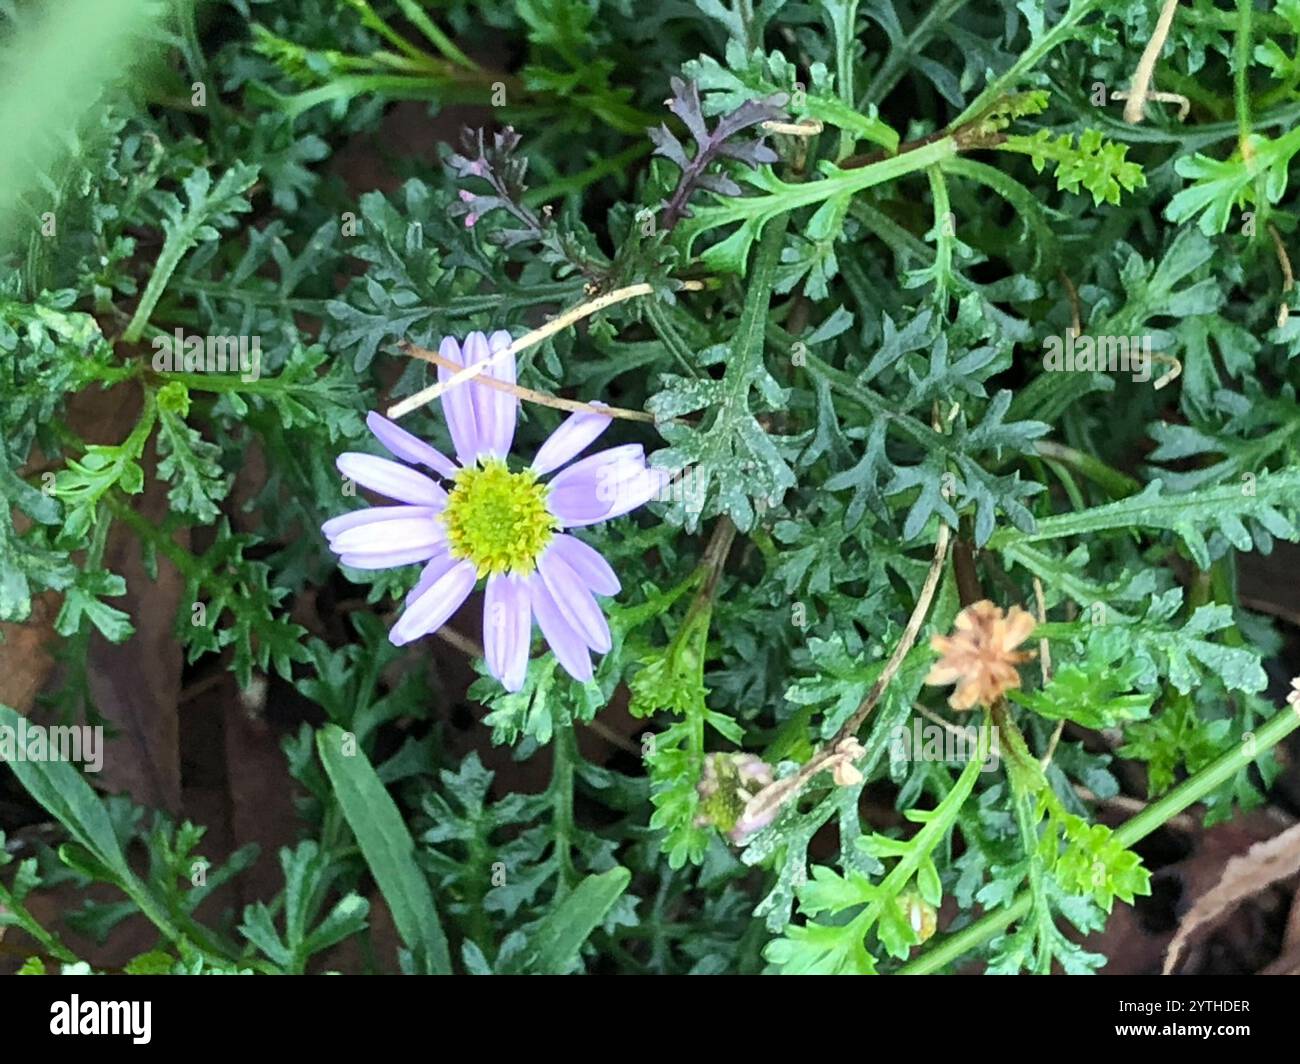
(843, 770)
(727, 783)
(980, 656)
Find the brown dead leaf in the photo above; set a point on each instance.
(25, 658)
(1262, 865)
(136, 685)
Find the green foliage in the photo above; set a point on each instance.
(819, 948)
(1095, 164)
(672, 679)
(389, 851)
(738, 465)
(208, 208)
(1098, 696)
(230, 586)
(188, 460)
(845, 231)
(1239, 516)
(1255, 176)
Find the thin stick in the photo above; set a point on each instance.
(1288, 278)
(612, 737)
(1076, 320)
(1044, 647)
(1184, 104)
(1172, 375)
(809, 128)
(529, 339)
(774, 795)
(1135, 106)
(541, 398)
(1272, 609)
(946, 725)
(913, 629)
(1184, 822)
(463, 643)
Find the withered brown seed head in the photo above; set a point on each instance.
(980, 656)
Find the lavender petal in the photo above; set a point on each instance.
(407, 447)
(494, 410)
(431, 610)
(577, 604)
(637, 490)
(387, 559)
(404, 533)
(583, 493)
(570, 648)
(507, 628)
(458, 407)
(575, 433)
(391, 480)
(430, 574)
(588, 563)
(356, 518)
(618, 489)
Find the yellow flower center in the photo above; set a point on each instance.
(498, 519)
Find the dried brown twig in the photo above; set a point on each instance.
(843, 747)
(528, 394)
(530, 339)
(1140, 87)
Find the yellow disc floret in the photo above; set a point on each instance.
(498, 519)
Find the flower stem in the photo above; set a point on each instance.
(1156, 814)
(565, 753)
(1241, 75)
(23, 919)
(1114, 483)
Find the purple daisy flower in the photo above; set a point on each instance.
(486, 521)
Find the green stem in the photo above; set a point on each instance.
(1114, 483)
(565, 753)
(934, 830)
(393, 86)
(845, 384)
(844, 56)
(1241, 72)
(172, 253)
(1188, 793)
(1026, 778)
(758, 210)
(372, 20)
(181, 558)
(20, 917)
(845, 39)
(944, 235)
(657, 315)
(1270, 22)
(435, 36)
